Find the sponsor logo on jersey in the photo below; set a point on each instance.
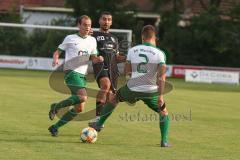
(81, 53)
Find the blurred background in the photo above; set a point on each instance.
(192, 32)
(201, 39)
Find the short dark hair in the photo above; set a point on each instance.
(148, 31)
(105, 13)
(79, 19)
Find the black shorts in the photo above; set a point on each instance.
(100, 71)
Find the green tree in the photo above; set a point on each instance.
(210, 3)
(13, 41)
(44, 42)
(123, 14)
(163, 5)
(208, 40)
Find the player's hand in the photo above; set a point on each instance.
(160, 100)
(121, 58)
(100, 59)
(55, 62)
(97, 59)
(55, 58)
(162, 106)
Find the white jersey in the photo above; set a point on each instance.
(77, 52)
(144, 60)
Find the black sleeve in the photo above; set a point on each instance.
(117, 45)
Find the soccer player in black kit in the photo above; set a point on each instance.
(106, 73)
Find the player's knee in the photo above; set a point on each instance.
(105, 87)
(105, 84)
(82, 98)
(102, 92)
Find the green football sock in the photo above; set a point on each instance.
(68, 102)
(106, 112)
(68, 116)
(164, 125)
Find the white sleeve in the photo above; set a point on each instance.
(63, 45)
(94, 50)
(161, 57)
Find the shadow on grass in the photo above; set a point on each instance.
(46, 138)
(35, 134)
(56, 141)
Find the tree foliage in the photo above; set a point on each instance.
(208, 40)
(12, 40)
(123, 13)
(121, 16)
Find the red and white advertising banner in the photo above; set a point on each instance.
(178, 71)
(34, 63)
(13, 62)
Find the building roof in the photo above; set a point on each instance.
(49, 9)
(8, 5)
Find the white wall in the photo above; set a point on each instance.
(39, 17)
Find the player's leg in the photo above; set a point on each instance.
(108, 84)
(123, 94)
(104, 84)
(107, 110)
(101, 75)
(74, 82)
(163, 118)
(69, 115)
(72, 100)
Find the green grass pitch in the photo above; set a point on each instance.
(204, 124)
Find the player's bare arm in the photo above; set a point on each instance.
(56, 55)
(96, 59)
(121, 58)
(161, 78)
(128, 69)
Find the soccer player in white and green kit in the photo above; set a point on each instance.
(78, 48)
(147, 67)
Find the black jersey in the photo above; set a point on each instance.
(107, 45)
